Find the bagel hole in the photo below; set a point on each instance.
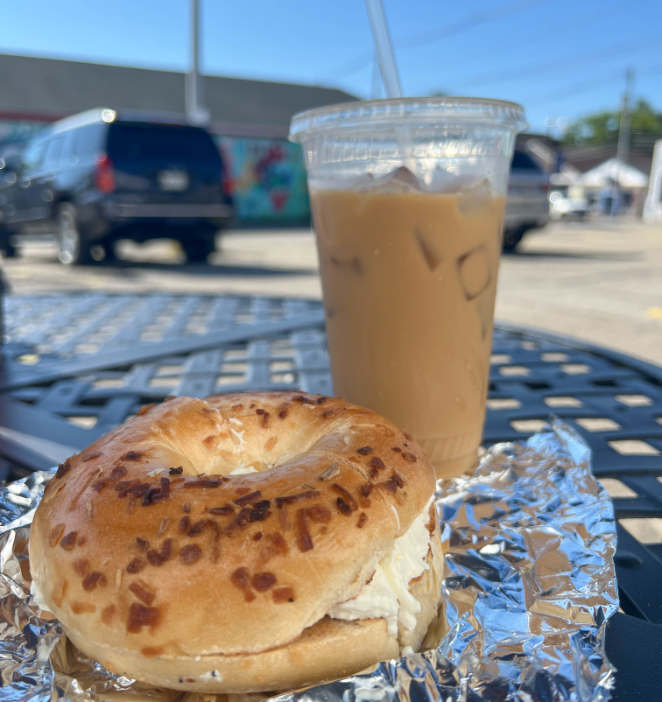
(226, 449)
(174, 459)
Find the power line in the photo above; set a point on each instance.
(563, 29)
(583, 86)
(467, 23)
(602, 54)
(626, 120)
(586, 86)
(430, 36)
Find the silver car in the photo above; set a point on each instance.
(527, 205)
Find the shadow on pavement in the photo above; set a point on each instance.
(128, 268)
(577, 255)
(124, 268)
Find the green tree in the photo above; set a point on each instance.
(602, 127)
(645, 120)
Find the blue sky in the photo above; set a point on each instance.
(559, 58)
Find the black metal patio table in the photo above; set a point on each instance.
(76, 365)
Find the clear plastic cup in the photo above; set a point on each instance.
(408, 198)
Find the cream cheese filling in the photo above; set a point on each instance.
(387, 595)
(38, 596)
(243, 470)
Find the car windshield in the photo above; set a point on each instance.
(160, 142)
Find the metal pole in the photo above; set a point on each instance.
(624, 129)
(194, 98)
(623, 136)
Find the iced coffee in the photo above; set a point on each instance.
(409, 237)
(409, 280)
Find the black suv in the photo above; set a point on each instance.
(101, 176)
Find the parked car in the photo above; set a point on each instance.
(10, 158)
(102, 175)
(527, 205)
(562, 207)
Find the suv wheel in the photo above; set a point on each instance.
(74, 250)
(6, 246)
(197, 248)
(109, 254)
(512, 237)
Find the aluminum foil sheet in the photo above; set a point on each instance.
(529, 585)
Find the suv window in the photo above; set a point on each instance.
(160, 142)
(524, 162)
(86, 143)
(53, 152)
(32, 154)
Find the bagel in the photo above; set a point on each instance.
(242, 543)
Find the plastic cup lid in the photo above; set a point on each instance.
(403, 112)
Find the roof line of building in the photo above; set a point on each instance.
(176, 71)
(41, 90)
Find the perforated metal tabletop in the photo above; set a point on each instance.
(76, 365)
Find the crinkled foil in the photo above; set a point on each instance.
(529, 585)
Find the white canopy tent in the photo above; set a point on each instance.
(613, 170)
(568, 175)
(653, 206)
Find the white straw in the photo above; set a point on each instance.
(390, 76)
(384, 48)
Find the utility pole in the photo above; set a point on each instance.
(623, 141)
(196, 112)
(624, 129)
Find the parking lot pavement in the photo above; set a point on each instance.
(268, 262)
(600, 281)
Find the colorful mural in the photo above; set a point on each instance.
(267, 179)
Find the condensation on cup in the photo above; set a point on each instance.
(408, 199)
